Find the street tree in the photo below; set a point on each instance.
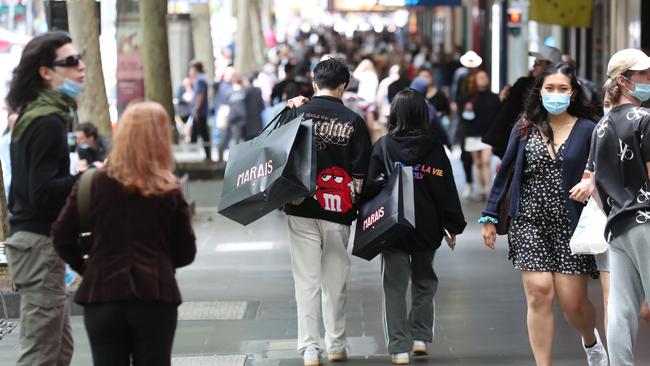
(249, 38)
(202, 37)
(155, 48)
(83, 23)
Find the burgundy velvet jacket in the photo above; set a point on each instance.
(138, 242)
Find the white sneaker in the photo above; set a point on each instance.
(596, 355)
(400, 358)
(311, 357)
(420, 348)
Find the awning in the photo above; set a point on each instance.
(574, 13)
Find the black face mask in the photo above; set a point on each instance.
(88, 153)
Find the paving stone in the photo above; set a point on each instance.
(282, 344)
(212, 310)
(212, 360)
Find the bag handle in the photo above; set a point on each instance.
(387, 160)
(83, 200)
(276, 120)
(384, 146)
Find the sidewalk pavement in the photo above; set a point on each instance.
(240, 310)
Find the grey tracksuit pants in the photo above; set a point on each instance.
(401, 327)
(630, 285)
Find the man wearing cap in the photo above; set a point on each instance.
(513, 104)
(619, 162)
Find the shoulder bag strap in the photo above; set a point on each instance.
(388, 164)
(83, 200)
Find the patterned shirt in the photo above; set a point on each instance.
(620, 149)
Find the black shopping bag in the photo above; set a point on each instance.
(277, 166)
(388, 216)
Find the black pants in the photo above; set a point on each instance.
(200, 127)
(465, 156)
(467, 160)
(123, 331)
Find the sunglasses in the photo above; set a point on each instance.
(70, 61)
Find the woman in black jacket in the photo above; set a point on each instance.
(437, 208)
(477, 110)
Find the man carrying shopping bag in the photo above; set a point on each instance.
(319, 226)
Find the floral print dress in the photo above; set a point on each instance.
(539, 235)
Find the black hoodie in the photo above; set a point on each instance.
(437, 205)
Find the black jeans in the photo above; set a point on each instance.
(123, 331)
(200, 127)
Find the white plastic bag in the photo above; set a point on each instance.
(589, 238)
(222, 116)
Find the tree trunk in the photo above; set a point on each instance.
(249, 40)
(157, 74)
(83, 22)
(202, 37)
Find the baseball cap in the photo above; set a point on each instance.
(627, 59)
(547, 53)
(420, 84)
(471, 60)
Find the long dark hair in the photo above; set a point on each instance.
(536, 116)
(26, 82)
(408, 112)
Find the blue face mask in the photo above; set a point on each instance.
(468, 115)
(70, 88)
(641, 92)
(556, 103)
(606, 111)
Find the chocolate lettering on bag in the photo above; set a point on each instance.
(373, 218)
(255, 172)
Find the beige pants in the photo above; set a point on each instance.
(320, 264)
(39, 275)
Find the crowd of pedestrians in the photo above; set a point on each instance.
(554, 157)
(381, 65)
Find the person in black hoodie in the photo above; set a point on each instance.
(412, 142)
(319, 226)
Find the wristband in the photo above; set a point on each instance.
(486, 219)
